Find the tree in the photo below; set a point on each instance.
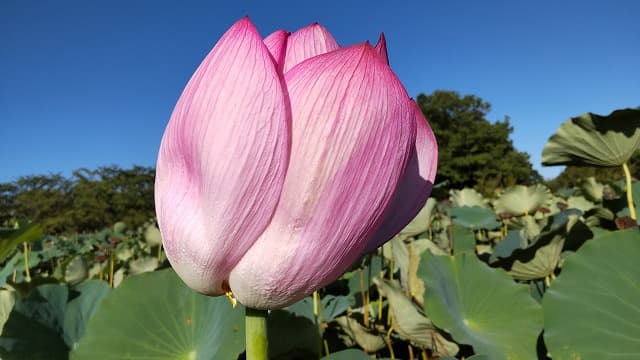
(572, 175)
(90, 200)
(473, 152)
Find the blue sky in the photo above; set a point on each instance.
(91, 83)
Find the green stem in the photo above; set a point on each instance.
(627, 176)
(25, 246)
(256, 334)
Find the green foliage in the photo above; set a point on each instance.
(10, 239)
(156, 316)
(591, 311)
(595, 140)
(465, 278)
(480, 306)
(90, 200)
(572, 175)
(469, 144)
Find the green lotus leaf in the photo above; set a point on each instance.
(592, 189)
(467, 197)
(591, 310)
(527, 224)
(7, 300)
(421, 222)
(124, 253)
(513, 241)
(330, 307)
(156, 316)
(76, 270)
(580, 203)
(292, 337)
(11, 239)
(34, 329)
(143, 265)
(88, 296)
(564, 231)
(522, 200)
(119, 227)
(365, 338)
(543, 262)
(474, 218)
(349, 354)
(594, 140)
(410, 322)
(481, 306)
(9, 267)
(463, 240)
(152, 235)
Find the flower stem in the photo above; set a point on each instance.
(256, 334)
(25, 246)
(627, 176)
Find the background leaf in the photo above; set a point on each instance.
(480, 306)
(592, 310)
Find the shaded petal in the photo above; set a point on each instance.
(276, 42)
(381, 48)
(308, 42)
(352, 134)
(416, 184)
(222, 159)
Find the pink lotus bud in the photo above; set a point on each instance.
(284, 161)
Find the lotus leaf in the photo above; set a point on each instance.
(421, 222)
(521, 200)
(143, 265)
(580, 203)
(152, 235)
(292, 337)
(365, 338)
(76, 270)
(156, 316)
(9, 240)
(410, 322)
(474, 217)
(591, 310)
(467, 197)
(481, 306)
(349, 354)
(592, 189)
(595, 140)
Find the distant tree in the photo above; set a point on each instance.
(572, 175)
(43, 199)
(7, 203)
(473, 152)
(90, 200)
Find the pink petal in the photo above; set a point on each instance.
(416, 184)
(381, 48)
(352, 134)
(223, 159)
(276, 42)
(308, 42)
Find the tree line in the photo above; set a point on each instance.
(473, 152)
(89, 200)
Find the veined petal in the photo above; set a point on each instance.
(416, 184)
(223, 159)
(353, 131)
(381, 48)
(276, 42)
(308, 42)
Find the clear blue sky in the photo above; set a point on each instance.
(91, 83)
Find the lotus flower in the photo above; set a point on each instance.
(284, 161)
